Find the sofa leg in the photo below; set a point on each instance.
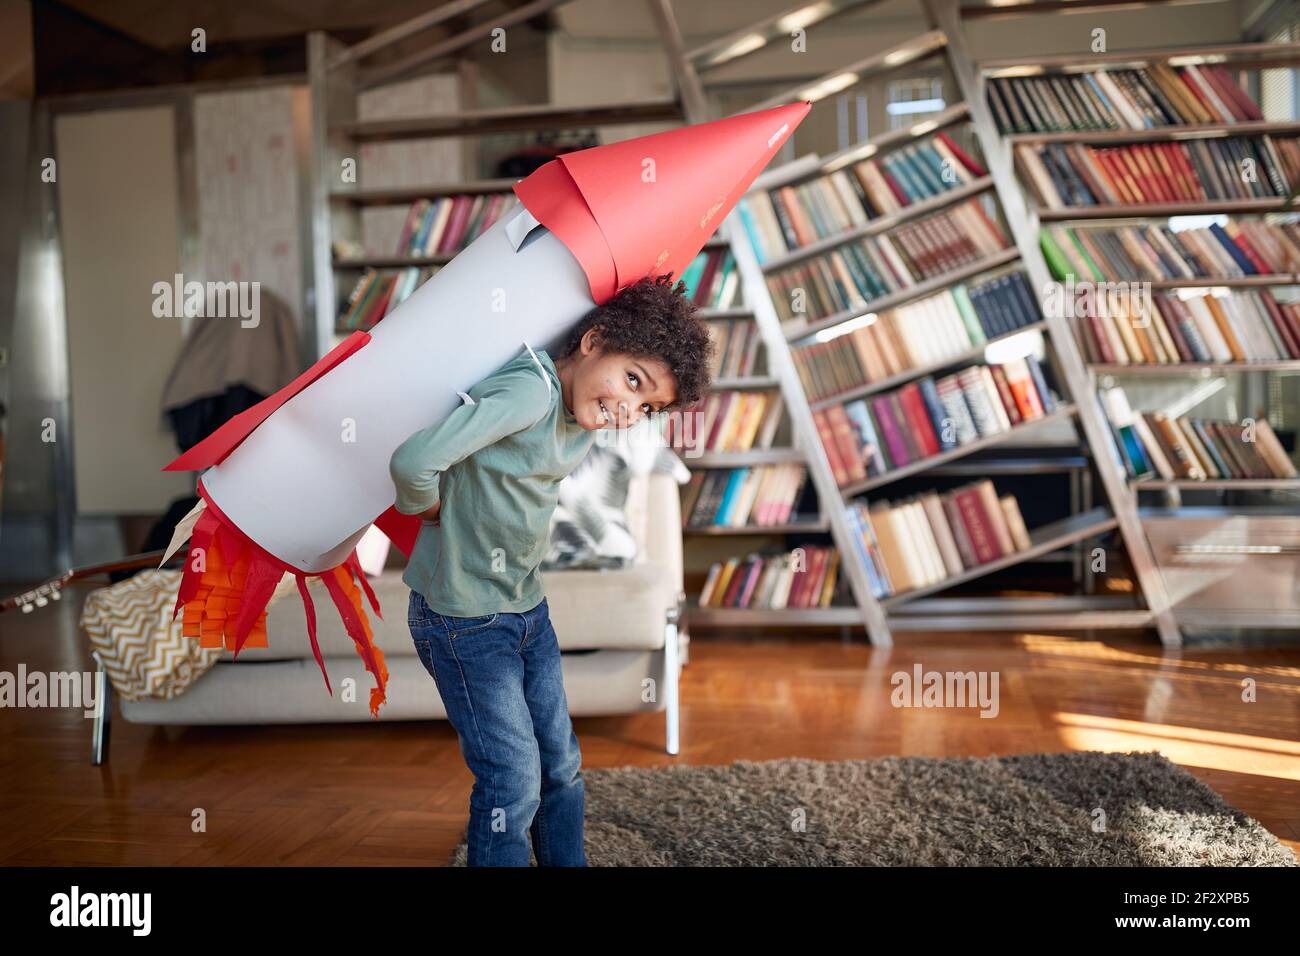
(101, 722)
(672, 665)
(683, 631)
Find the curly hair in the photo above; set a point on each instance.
(654, 319)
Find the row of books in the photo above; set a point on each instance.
(448, 224)
(1229, 167)
(802, 578)
(878, 434)
(757, 496)
(1141, 98)
(789, 217)
(927, 538)
(1153, 444)
(377, 293)
(736, 346)
(851, 275)
(921, 333)
(712, 281)
(727, 420)
(1194, 326)
(1233, 249)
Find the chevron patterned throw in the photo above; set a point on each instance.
(141, 647)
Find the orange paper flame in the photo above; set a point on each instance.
(228, 581)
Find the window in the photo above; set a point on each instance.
(912, 99)
(1278, 91)
(851, 126)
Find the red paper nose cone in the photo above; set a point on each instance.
(646, 206)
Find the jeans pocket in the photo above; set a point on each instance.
(424, 650)
(417, 611)
(457, 626)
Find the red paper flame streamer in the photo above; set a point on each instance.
(228, 581)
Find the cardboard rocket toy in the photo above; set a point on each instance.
(292, 484)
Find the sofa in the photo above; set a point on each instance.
(618, 628)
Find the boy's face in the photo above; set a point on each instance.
(614, 389)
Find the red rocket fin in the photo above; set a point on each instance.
(401, 529)
(226, 439)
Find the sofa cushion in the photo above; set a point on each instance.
(589, 525)
(592, 525)
(625, 608)
(291, 691)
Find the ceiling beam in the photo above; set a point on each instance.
(408, 28)
(742, 42)
(408, 64)
(689, 91)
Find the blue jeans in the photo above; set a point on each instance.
(500, 680)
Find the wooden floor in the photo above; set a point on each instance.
(397, 793)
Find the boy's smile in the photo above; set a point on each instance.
(612, 389)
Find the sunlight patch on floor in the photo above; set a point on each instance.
(1172, 659)
(1187, 746)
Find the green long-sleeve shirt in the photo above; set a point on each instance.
(496, 464)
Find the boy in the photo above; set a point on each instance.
(478, 614)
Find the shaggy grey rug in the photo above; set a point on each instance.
(1072, 809)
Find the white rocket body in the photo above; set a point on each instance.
(307, 483)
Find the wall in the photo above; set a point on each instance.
(409, 162)
(248, 190)
(136, 208)
(118, 215)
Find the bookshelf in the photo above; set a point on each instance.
(1261, 535)
(740, 348)
(1159, 134)
(918, 291)
(872, 388)
(1066, 411)
(1187, 368)
(879, 615)
(882, 223)
(1218, 484)
(758, 301)
(1043, 540)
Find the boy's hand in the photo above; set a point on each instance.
(433, 514)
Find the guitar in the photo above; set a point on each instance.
(51, 590)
